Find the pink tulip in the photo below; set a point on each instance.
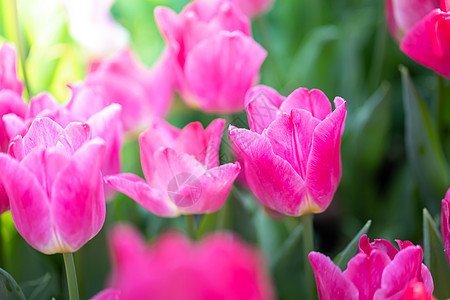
(423, 29)
(104, 124)
(379, 271)
(445, 223)
(291, 154)
(182, 171)
(219, 267)
(216, 61)
(143, 94)
(54, 184)
(8, 70)
(92, 26)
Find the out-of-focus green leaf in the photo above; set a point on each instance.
(344, 257)
(38, 287)
(9, 289)
(423, 146)
(287, 246)
(435, 258)
(371, 128)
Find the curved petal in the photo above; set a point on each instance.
(108, 294)
(153, 200)
(40, 103)
(14, 126)
(428, 42)
(209, 191)
(403, 268)
(78, 203)
(169, 25)
(30, 207)
(273, 180)
(262, 105)
(313, 101)
(366, 247)
(213, 138)
(365, 272)
(323, 170)
(331, 283)
(254, 8)
(4, 200)
(219, 70)
(291, 137)
(10, 103)
(445, 223)
(43, 132)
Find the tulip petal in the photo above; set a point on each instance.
(43, 132)
(445, 223)
(313, 101)
(153, 200)
(4, 200)
(365, 272)
(366, 247)
(323, 170)
(262, 105)
(404, 267)
(108, 294)
(78, 204)
(428, 42)
(8, 77)
(14, 125)
(331, 283)
(213, 137)
(30, 207)
(291, 137)
(219, 70)
(10, 103)
(273, 180)
(41, 103)
(211, 190)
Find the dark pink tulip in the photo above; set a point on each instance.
(8, 70)
(423, 29)
(219, 267)
(215, 59)
(181, 168)
(379, 271)
(54, 184)
(143, 94)
(445, 223)
(291, 154)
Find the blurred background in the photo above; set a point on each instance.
(341, 47)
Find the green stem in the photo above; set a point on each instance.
(308, 244)
(71, 276)
(190, 226)
(20, 47)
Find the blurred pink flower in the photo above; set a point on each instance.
(219, 267)
(143, 93)
(445, 223)
(181, 168)
(8, 70)
(291, 154)
(423, 29)
(378, 271)
(54, 184)
(104, 123)
(216, 60)
(92, 26)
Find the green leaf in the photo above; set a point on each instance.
(435, 258)
(371, 127)
(9, 289)
(423, 147)
(344, 257)
(287, 247)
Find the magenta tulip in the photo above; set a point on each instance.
(54, 184)
(215, 59)
(219, 267)
(417, 291)
(445, 223)
(143, 94)
(423, 29)
(182, 171)
(379, 271)
(291, 154)
(254, 8)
